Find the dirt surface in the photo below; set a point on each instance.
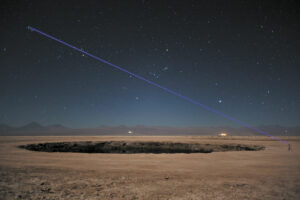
(273, 173)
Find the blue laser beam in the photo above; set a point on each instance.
(161, 87)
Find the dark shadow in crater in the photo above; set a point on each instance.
(137, 147)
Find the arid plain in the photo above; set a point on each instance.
(273, 173)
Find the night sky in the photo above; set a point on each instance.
(239, 57)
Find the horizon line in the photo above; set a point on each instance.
(155, 125)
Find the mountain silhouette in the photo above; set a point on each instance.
(35, 128)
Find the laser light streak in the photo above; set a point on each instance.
(161, 87)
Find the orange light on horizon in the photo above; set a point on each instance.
(223, 134)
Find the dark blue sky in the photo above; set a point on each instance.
(239, 57)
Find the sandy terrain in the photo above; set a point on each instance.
(273, 173)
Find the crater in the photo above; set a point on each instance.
(123, 147)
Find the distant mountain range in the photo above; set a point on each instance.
(34, 128)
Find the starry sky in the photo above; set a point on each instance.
(239, 57)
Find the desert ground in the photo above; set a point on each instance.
(273, 173)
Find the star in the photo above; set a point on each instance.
(124, 88)
(137, 98)
(165, 69)
(220, 101)
(155, 75)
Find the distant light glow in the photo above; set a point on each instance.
(223, 134)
